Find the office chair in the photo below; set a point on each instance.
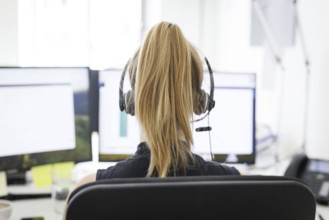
(202, 198)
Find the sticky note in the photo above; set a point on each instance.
(42, 176)
(63, 170)
(3, 184)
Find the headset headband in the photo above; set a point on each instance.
(121, 94)
(210, 101)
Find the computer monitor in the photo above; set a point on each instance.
(232, 120)
(45, 116)
(118, 131)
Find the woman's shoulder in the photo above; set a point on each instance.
(134, 166)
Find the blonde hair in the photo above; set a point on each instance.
(169, 73)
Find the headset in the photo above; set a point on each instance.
(205, 103)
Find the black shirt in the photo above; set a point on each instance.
(137, 166)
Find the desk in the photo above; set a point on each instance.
(323, 211)
(34, 208)
(45, 207)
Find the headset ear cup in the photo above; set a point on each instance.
(130, 103)
(202, 103)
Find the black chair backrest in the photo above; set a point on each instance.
(202, 198)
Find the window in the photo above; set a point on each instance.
(98, 33)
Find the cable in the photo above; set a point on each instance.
(210, 146)
(200, 119)
(320, 216)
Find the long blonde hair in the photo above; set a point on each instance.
(169, 73)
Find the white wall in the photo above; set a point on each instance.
(185, 13)
(236, 54)
(8, 33)
(314, 18)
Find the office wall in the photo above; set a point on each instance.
(8, 33)
(314, 18)
(197, 19)
(185, 13)
(281, 104)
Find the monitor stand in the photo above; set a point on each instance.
(82, 169)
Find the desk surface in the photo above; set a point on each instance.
(35, 208)
(45, 207)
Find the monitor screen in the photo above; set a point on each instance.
(118, 131)
(44, 116)
(232, 120)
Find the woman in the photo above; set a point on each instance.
(166, 75)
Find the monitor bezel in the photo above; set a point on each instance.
(249, 159)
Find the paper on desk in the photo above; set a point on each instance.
(3, 184)
(42, 176)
